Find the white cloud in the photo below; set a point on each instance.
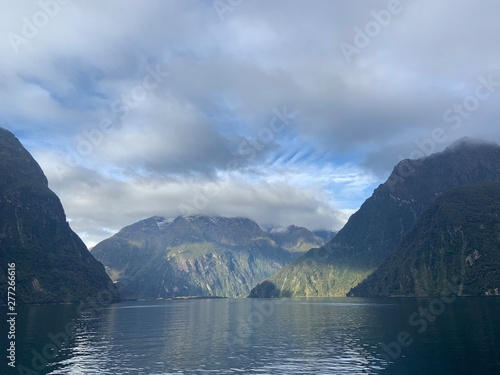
(226, 78)
(98, 204)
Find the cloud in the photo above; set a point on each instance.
(64, 93)
(98, 204)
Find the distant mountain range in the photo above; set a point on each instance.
(377, 228)
(434, 223)
(298, 240)
(198, 255)
(52, 264)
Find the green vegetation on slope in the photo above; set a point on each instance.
(190, 256)
(456, 241)
(378, 226)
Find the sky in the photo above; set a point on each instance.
(284, 111)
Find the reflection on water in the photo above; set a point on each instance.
(316, 336)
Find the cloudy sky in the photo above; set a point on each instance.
(281, 111)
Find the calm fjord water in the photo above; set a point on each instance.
(287, 336)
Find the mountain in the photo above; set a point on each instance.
(298, 240)
(53, 264)
(190, 256)
(456, 241)
(325, 235)
(378, 226)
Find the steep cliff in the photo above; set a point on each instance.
(53, 265)
(378, 226)
(456, 241)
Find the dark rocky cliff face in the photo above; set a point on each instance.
(378, 226)
(53, 264)
(455, 242)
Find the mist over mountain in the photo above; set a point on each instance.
(52, 264)
(377, 227)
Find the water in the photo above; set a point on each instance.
(289, 336)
